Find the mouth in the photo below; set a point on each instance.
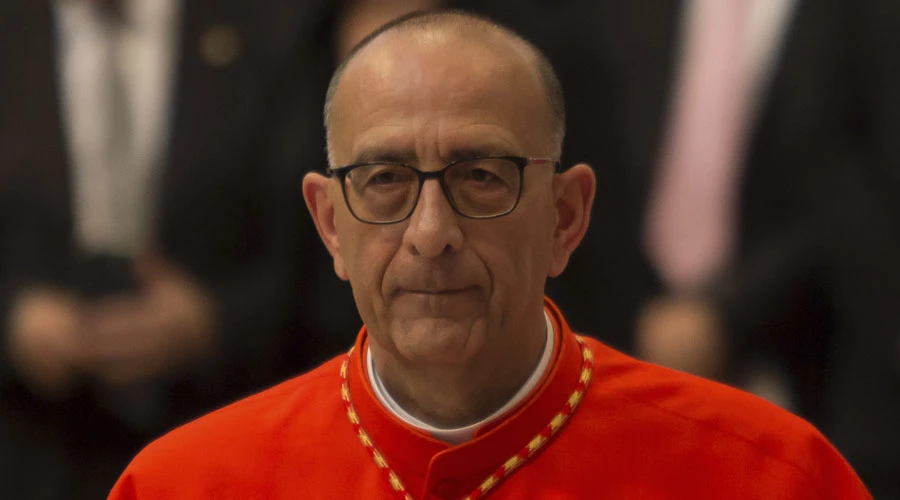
(438, 292)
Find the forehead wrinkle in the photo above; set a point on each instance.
(372, 147)
(484, 139)
(358, 105)
(478, 35)
(429, 87)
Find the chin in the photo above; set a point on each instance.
(440, 340)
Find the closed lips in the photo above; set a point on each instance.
(443, 291)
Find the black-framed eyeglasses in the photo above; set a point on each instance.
(477, 188)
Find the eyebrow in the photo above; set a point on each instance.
(384, 154)
(479, 151)
(389, 155)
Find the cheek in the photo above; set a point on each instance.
(367, 252)
(517, 257)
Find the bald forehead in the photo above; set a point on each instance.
(455, 33)
(454, 54)
(438, 27)
(455, 64)
(422, 77)
(486, 45)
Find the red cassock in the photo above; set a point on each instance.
(599, 425)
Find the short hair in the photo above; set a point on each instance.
(461, 21)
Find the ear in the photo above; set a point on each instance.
(574, 196)
(320, 200)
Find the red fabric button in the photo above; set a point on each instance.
(448, 489)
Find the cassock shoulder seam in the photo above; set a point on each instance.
(695, 383)
(753, 443)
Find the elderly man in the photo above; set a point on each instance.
(446, 210)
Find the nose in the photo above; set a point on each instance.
(434, 226)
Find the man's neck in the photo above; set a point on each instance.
(453, 397)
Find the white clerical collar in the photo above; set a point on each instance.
(463, 434)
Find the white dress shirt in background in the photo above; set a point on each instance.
(116, 78)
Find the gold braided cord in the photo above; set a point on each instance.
(511, 465)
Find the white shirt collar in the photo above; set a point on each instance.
(463, 434)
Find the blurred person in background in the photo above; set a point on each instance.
(746, 218)
(155, 257)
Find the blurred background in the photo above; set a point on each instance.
(157, 260)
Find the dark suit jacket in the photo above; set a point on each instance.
(815, 282)
(231, 214)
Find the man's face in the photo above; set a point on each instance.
(438, 287)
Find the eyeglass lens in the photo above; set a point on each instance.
(482, 187)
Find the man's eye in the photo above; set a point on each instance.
(385, 178)
(482, 175)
